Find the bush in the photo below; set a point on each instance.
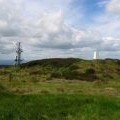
(90, 71)
(34, 79)
(74, 67)
(55, 75)
(36, 72)
(70, 74)
(4, 72)
(2, 88)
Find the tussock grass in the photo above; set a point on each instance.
(69, 75)
(61, 89)
(58, 107)
(74, 68)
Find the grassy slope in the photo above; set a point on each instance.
(61, 89)
(70, 68)
(79, 69)
(63, 76)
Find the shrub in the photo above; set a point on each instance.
(55, 75)
(70, 74)
(34, 72)
(4, 72)
(2, 88)
(90, 71)
(73, 67)
(34, 79)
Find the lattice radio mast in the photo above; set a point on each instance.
(19, 51)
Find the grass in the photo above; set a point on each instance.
(59, 86)
(61, 89)
(58, 107)
(63, 76)
(70, 69)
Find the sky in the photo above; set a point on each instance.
(60, 28)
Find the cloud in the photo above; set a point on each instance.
(102, 3)
(114, 6)
(107, 23)
(47, 30)
(45, 25)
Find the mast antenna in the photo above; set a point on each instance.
(19, 51)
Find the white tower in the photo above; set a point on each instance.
(96, 55)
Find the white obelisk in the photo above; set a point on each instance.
(96, 55)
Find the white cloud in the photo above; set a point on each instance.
(47, 30)
(43, 25)
(114, 6)
(102, 3)
(108, 24)
(3, 24)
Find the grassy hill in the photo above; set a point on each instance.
(61, 89)
(68, 68)
(71, 68)
(59, 75)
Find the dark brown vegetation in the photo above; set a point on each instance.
(74, 68)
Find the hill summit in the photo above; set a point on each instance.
(74, 68)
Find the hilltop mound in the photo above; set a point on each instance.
(54, 62)
(74, 68)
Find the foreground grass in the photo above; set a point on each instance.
(58, 107)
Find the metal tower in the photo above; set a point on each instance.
(19, 50)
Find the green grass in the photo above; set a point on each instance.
(69, 69)
(58, 107)
(61, 89)
(62, 86)
(74, 68)
(63, 76)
